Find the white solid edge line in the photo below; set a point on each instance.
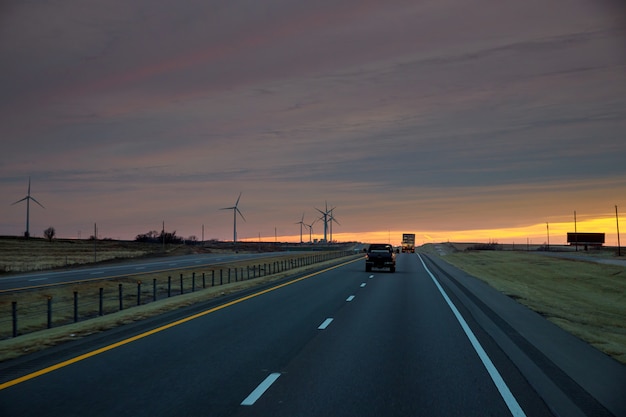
(260, 390)
(504, 390)
(325, 324)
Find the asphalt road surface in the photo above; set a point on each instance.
(424, 341)
(123, 268)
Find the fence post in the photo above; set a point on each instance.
(119, 290)
(14, 315)
(100, 302)
(138, 293)
(75, 306)
(49, 312)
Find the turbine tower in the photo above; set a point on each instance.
(28, 198)
(235, 210)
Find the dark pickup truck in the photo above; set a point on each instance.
(380, 255)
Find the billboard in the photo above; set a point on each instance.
(585, 238)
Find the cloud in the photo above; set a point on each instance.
(440, 115)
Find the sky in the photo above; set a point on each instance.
(456, 120)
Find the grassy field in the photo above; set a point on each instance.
(587, 299)
(24, 255)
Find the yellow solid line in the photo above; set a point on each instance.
(157, 330)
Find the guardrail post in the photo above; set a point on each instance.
(181, 284)
(221, 277)
(75, 306)
(154, 289)
(120, 296)
(14, 316)
(138, 293)
(213, 278)
(229, 274)
(169, 286)
(49, 312)
(203, 281)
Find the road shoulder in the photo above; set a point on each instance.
(571, 375)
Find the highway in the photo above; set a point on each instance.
(426, 340)
(123, 268)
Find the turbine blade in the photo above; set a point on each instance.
(238, 211)
(32, 198)
(237, 203)
(19, 201)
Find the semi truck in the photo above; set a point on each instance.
(408, 243)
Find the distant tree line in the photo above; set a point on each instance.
(159, 237)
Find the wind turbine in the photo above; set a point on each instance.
(301, 223)
(324, 218)
(28, 198)
(310, 226)
(235, 210)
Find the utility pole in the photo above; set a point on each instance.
(95, 239)
(619, 253)
(575, 232)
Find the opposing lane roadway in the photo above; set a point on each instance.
(123, 268)
(343, 342)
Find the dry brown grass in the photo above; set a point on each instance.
(23, 255)
(586, 299)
